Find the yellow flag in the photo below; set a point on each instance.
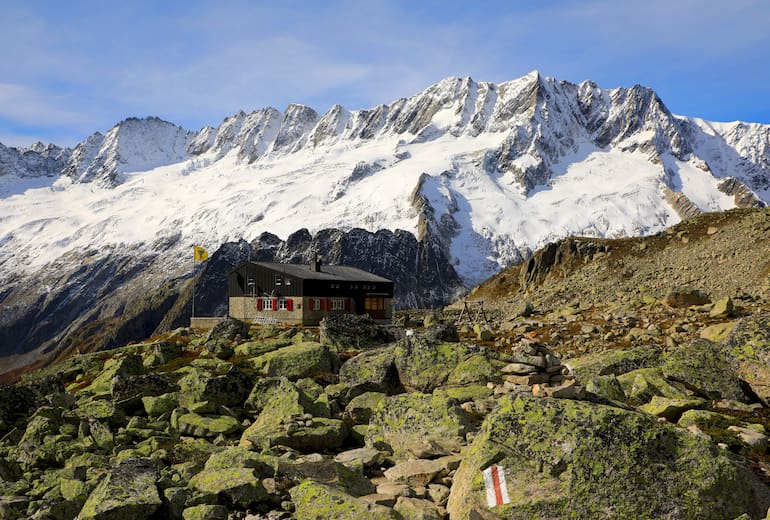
(200, 254)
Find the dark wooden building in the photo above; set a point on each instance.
(304, 294)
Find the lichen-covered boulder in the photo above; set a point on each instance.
(573, 459)
(343, 332)
(314, 501)
(326, 471)
(686, 296)
(372, 371)
(227, 385)
(127, 493)
(615, 362)
(307, 359)
(261, 346)
(155, 406)
(607, 387)
(206, 426)
(671, 409)
(413, 419)
(205, 512)
(749, 347)
(641, 385)
(705, 368)
(228, 329)
(238, 486)
(361, 408)
(425, 365)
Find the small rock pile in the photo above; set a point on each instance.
(532, 364)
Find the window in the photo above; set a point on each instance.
(338, 304)
(267, 304)
(283, 304)
(374, 304)
(315, 304)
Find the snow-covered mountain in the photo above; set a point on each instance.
(482, 174)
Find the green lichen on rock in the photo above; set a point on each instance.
(361, 408)
(705, 368)
(127, 493)
(465, 393)
(607, 387)
(572, 459)
(749, 346)
(205, 512)
(409, 419)
(207, 426)
(307, 359)
(641, 385)
(314, 501)
(259, 347)
(615, 362)
(372, 371)
(240, 486)
(671, 409)
(156, 406)
(475, 369)
(424, 365)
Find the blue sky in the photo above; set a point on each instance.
(72, 68)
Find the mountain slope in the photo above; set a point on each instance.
(479, 174)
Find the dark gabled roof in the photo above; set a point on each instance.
(328, 272)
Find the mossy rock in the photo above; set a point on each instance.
(308, 359)
(121, 365)
(239, 486)
(155, 406)
(706, 369)
(463, 394)
(608, 387)
(474, 369)
(278, 397)
(127, 493)
(205, 512)
(613, 362)
(350, 332)
(574, 459)
(207, 426)
(671, 409)
(641, 385)
(425, 365)
(718, 332)
(259, 347)
(327, 471)
(314, 501)
(218, 384)
(411, 419)
(305, 435)
(362, 407)
(372, 371)
(748, 345)
(240, 457)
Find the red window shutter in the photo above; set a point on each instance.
(289, 304)
(259, 304)
(322, 301)
(275, 304)
(329, 304)
(347, 304)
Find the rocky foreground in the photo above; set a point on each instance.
(350, 422)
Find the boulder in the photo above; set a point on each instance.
(156, 406)
(372, 371)
(723, 308)
(127, 492)
(206, 426)
(278, 398)
(671, 409)
(564, 458)
(414, 472)
(227, 386)
(686, 297)
(417, 509)
(424, 365)
(641, 385)
(362, 407)
(228, 329)
(705, 368)
(412, 419)
(238, 486)
(241, 457)
(326, 471)
(718, 332)
(607, 387)
(307, 359)
(205, 512)
(360, 457)
(129, 390)
(121, 365)
(616, 362)
(262, 346)
(345, 332)
(314, 501)
(748, 346)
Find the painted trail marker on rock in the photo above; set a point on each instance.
(494, 482)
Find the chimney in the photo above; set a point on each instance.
(315, 265)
